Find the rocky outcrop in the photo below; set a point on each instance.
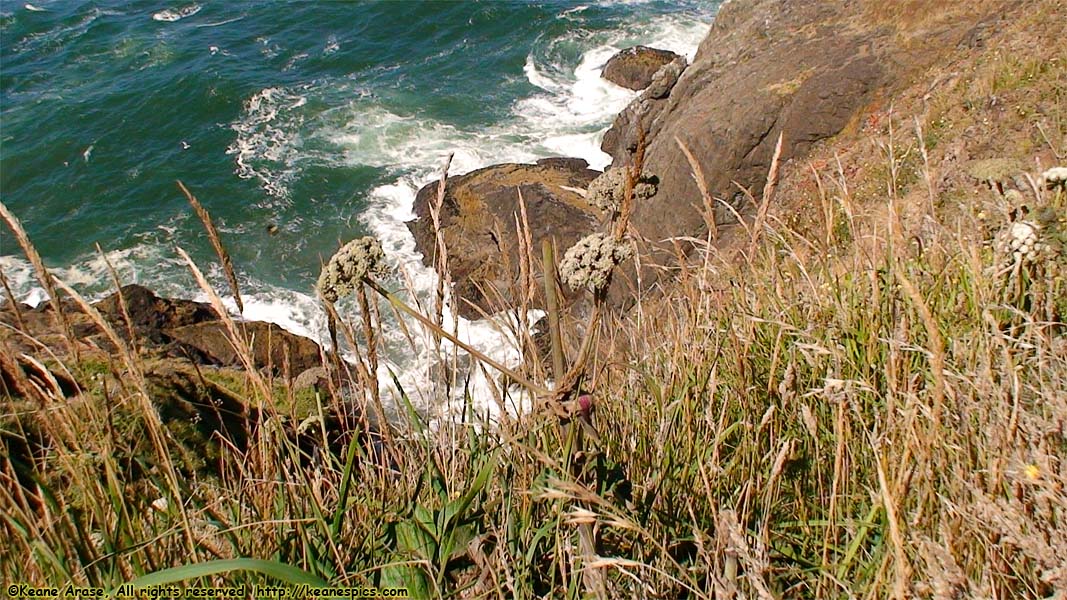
(634, 68)
(272, 347)
(187, 361)
(805, 70)
(478, 223)
(161, 328)
(150, 315)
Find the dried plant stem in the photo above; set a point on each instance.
(362, 370)
(552, 306)
(936, 344)
(42, 275)
(399, 304)
(155, 424)
(592, 578)
(372, 363)
(768, 195)
(216, 242)
(122, 300)
(931, 193)
(14, 303)
(237, 340)
(698, 176)
(441, 258)
(633, 174)
(903, 571)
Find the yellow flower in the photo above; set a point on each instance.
(1032, 472)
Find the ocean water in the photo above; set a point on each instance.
(298, 125)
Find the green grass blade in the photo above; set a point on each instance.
(274, 570)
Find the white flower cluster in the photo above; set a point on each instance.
(1022, 241)
(349, 266)
(589, 262)
(607, 191)
(1055, 177)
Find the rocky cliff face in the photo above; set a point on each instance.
(805, 70)
(802, 70)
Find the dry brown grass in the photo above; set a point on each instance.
(865, 404)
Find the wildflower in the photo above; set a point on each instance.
(1022, 240)
(1055, 177)
(1032, 472)
(585, 405)
(589, 262)
(607, 191)
(349, 266)
(993, 172)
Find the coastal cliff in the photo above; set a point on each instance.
(802, 70)
(805, 71)
(852, 386)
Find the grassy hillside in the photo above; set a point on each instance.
(860, 392)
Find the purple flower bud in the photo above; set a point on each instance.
(585, 405)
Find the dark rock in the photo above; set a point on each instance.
(478, 219)
(634, 67)
(272, 347)
(198, 413)
(150, 315)
(315, 379)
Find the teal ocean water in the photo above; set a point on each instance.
(297, 124)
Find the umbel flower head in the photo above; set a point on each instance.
(349, 266)
(1022, 242)
(1056, 177)
(994, 172)
(589, 262)
(607, 191)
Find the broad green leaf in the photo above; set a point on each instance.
(275, 570)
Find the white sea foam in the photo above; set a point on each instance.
(373, 136)
(570, 12)
(566, 117)
(89, 273)
(170, 15)
(223, 22)
(62, 34)
(268, 142)
(577, 104)
(332, 45)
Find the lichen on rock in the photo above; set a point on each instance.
(607, 191)
(349, 266)
(589, 262)
(663, 80)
